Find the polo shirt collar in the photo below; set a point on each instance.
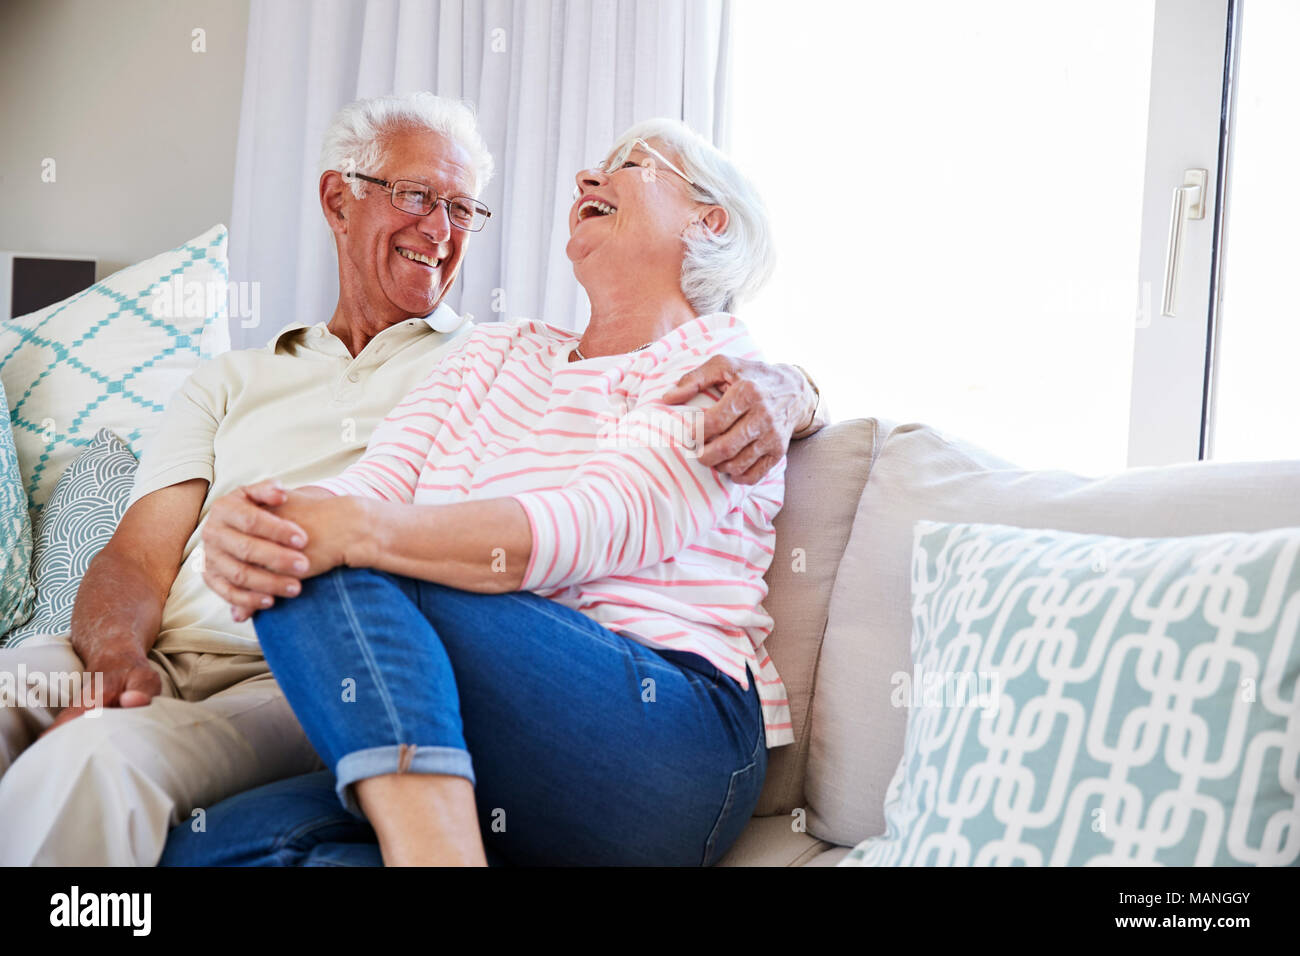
(442, 319)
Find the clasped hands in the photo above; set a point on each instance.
(263, 540)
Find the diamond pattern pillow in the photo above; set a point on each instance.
(111, 357)
(1081, 699)
(15, 536)
(75, 524)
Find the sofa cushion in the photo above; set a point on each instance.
(1088, 700)
(774, 841)
(75, 524)
(920, 474)
(824, 477)
(835, 856)
(111, 357)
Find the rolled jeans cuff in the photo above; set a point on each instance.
(402, 758)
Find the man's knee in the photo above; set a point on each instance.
(100, 744)
(91, 792)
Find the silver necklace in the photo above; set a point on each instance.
(582, 358)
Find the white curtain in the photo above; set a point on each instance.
(554, 81)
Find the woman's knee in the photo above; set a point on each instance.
(340, 594)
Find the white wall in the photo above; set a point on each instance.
(141, 128)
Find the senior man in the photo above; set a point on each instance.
(191, 713)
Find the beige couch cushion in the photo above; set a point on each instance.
(772, 841)
(857, 734)
(829, 857)
(823, 482)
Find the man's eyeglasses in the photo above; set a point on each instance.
(624, 158)
(419, 200)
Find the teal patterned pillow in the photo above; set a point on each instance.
(111, 357)
(15, 535)
(75, 524)
(1081, 699)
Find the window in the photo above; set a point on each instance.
(1257, 390)
(956, 195)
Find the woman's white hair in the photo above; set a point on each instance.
(358, 134)
(719, 271)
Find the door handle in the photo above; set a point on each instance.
(1189, 203)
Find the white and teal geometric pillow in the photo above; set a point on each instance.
(74, 526)
(111, 357)
(15, 536)
(1081, 699)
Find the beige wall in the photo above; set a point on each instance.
(141, 128)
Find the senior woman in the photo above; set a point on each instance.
(531, 619)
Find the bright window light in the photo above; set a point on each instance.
(956, 195)
(1258, 387)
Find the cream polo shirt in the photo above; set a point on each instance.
(301, 409)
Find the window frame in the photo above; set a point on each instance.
(1195, 51)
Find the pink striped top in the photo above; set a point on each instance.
(628, 527)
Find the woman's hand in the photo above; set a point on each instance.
(260, 542)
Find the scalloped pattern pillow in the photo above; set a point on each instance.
(111, 357)
(16, 592)
(75, 524)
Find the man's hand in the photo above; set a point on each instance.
(747, 430)
(119, 605)
(129, 681)
(262, 540)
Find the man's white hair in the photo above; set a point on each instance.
(719, 271)
(358, 134)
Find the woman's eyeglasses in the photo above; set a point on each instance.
(624, 156)
(649, 163)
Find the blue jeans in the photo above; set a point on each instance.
(584, 746)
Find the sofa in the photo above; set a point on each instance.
(87, 379)
(839, 589)
(839, 595)
(839, 584)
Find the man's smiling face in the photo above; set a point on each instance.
(405, 260)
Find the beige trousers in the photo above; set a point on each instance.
(104, 790)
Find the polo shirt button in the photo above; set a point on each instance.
(353, 377)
